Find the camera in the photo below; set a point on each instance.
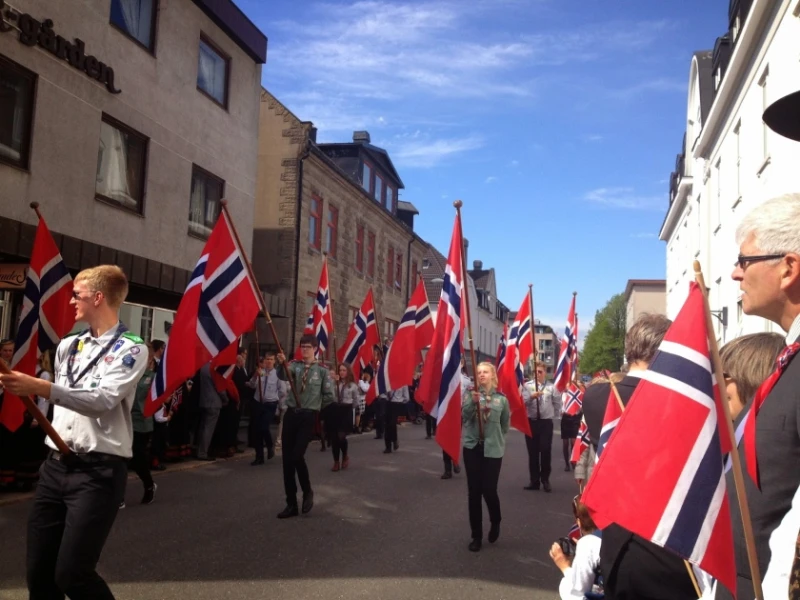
(567, 546)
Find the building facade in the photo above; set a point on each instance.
(339, 200)
(489, 315)
(731, 161)
(644, 296)
(128, 121)
(547, 344)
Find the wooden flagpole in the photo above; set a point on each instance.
(533, 334)
(738, 476)
(577, 356)
(261, 300)
(465, 295)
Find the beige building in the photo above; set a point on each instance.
(547, 344)
(645, 296)
(128, 121)
(341, 199)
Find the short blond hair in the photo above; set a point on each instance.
(108, 279)
(493, 370)
(748, 360)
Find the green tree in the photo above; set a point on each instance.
(604, 347)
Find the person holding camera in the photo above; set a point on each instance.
(581, 568)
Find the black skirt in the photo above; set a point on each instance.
(570, 424)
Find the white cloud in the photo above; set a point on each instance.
(514, 164)
(593, 137)
(491, 179)
(624, 198)
(644, 236)
(660, 84)
(424, 152)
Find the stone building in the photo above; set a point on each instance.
(127, 121)
(340, 199)
(644, 296)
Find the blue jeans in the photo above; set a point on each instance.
(262, 415)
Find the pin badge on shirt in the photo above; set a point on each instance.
(118, 345)
(80, 346)
(109, 359)
(128, 361)
(135, 350)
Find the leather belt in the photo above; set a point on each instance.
(88, 457)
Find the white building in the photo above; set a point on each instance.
(731, 161)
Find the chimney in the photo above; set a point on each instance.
(312, 134)
(361, 137)
(477, 265)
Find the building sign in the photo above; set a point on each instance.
(12, 276)
(41, 33)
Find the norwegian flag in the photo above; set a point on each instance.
(568, 351)
(574, 399)
(501, 349)
(610, 420)
(219, 305)
(46, 316)
(362, 337)
(574, 366)
(676, 414)
(518, 349)
(413, 335)
(602, 373)
(307, 330)
(440, 384)
(323, 315)
(574, 533)
(582, 442)
(222, 367)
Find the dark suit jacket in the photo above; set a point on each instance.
(632, 566)
(778, 450)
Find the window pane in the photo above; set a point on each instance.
(120, 166)
(16, 102)
(389, 195)
(135, 17)
(366, 177)
(204, 203)
(378, 189)
(211, 72)
(312, 230)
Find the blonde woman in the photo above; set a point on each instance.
(483, 457)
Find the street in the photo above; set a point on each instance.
(388, 527)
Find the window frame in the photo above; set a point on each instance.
(359, 248)
(370, 184)
(204, 172)
(117, 124)
(151, 49)
(390, 267)
(332, 230)
(382, 199)
(11, 65)
(398, 272)
(317, 243)
(223, 55)
(390, 328)
(388, 202)
(371, 243)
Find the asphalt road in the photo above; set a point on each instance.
(387, 528)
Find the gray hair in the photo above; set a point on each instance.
(775, 225)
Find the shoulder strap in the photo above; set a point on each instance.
(133, 337)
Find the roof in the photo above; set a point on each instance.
(376, 155)
(705, 74)
(437, 263)
(480, 277)
(230, 18)
(407, 207)
(643, 283)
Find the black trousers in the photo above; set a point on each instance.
(540, 449)
(140, 462)
(393, 410)
(380, 405)
(298, 429)
(71, 517)
(160, 441)
(262, 416)
(430, 425)
(482, 476)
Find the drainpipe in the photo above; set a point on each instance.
(300, 160)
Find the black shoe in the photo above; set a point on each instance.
(270, 453)
(546, 486)
(475, 545)
(447, 475)
(387, 451)
(532, 486)
(256, 462)
(427, 437)
(494, 533)
(308, 502)
(396, 445)
(149, 494)
(456, 469)
(567, 468)
(289, 511)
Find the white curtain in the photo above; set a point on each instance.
(112, 166)
(211, 73)
(196, 203)
(138, 16)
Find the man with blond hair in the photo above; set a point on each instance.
(78, 495)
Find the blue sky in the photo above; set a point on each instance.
(557, 122)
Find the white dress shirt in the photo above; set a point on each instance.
(269, 388)
(579, 578)
(549, 402)
(95, 415)
(400, 395)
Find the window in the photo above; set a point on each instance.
(378, 188)
(204, 203)
(315, 222)
(121, 159)
(764, 104)
(371, 254)
(17, 90)
(389, 328)
(146, 324)
(212, 72)
(414, 273)
(360, 248)
(389, 202)
(136, 19)
(736, 133)
(390, 267)
(366, 177)
(398, 273)
(331, 230)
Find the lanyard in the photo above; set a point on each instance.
(305, 377)
(73, 350)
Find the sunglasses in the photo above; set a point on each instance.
(743, 260)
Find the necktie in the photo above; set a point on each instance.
(761, 395)
(538, 413)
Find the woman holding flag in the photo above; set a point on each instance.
(483, 454)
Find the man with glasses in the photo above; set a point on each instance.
(315, 390)
(543, 405)
(78, 494)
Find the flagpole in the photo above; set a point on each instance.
(738, 477)
(533, 336)
(261, 301)
(577, 356)
(458, 204)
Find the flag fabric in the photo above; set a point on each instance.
(219, 305)
(46, 316)
(574, 533)
(602, 373)
(501, 349)
(574, 366)
(308, 329)
(582, 442)
(440, 384)
(323, 315)
(222, 367)
(568, 351)
(519, 348)
(676, 415)
(413, 335)
(573, 404)
(610, 420)
(361, 338)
